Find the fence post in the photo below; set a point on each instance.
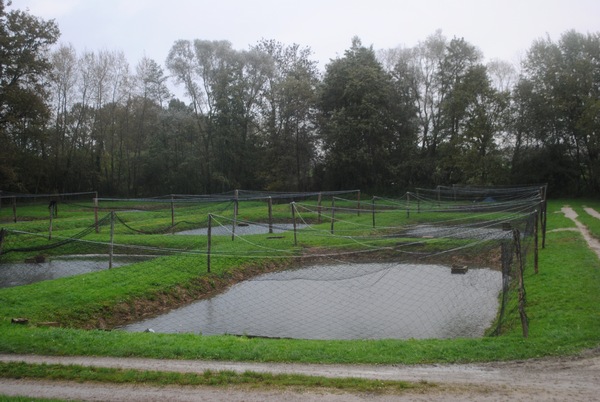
(2, 234)
(14, 206)
(373, 210)
(293, 204)
(112, 234)
(208, 245)
(172, 215)
(96, 211)
(270, 202)
(235, 214)
(522, 296)
(319, 208)
(536, 241)
(358, 203)
(407, 205)
(332, 213)
(51, 209)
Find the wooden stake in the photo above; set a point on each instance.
(112, 234)
(208, 246)
(522, 297)
(235, 214)
(96, 212)
(51, 209)
(373, 210)
(332, 213)
(172, 215)
(270, 201)
(14, 205)
(293, 204)
(319, 207)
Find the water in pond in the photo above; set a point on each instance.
(356, 301)
(16, 274)
(248, 229)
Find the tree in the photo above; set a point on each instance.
(363, 125)
(288, 114)
(24, 40)
(558, 97)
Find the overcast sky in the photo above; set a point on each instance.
(500, 29)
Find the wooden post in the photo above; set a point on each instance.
(522, 297)
(293, 204)
(112, 234)
(172, 215)
(407, 205)
(418, 202)
(14, 205)
(319, 207)
(2, 234)
(208, 245)
(536, 247)
(373, 210)
(358, 203)
(96, 212)
(235, 214)
(51, 209)
(332, 213)
(270, 201)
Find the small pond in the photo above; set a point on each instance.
(241, 230)
(346, 301)
(17, 274)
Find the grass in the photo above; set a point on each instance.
(563, 308)
(248, 379)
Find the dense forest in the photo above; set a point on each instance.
(266, 118)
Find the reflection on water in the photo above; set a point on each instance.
(357, 301)
(17, 274)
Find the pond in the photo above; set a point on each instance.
(345, 301)
(17, 274)
(241, 230)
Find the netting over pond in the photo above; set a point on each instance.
(433, 263)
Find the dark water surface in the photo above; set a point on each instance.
(16, 274)
(249, 229)
(346, 301)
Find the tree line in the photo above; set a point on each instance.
(267, 118)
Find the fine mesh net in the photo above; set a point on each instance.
(435, 263)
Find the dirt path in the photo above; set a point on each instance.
(573, 379)
(561, 379)
(591, 241)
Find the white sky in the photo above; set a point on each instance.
(503, 29)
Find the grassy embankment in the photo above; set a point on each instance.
(563, 305)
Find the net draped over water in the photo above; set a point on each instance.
(434, 263)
